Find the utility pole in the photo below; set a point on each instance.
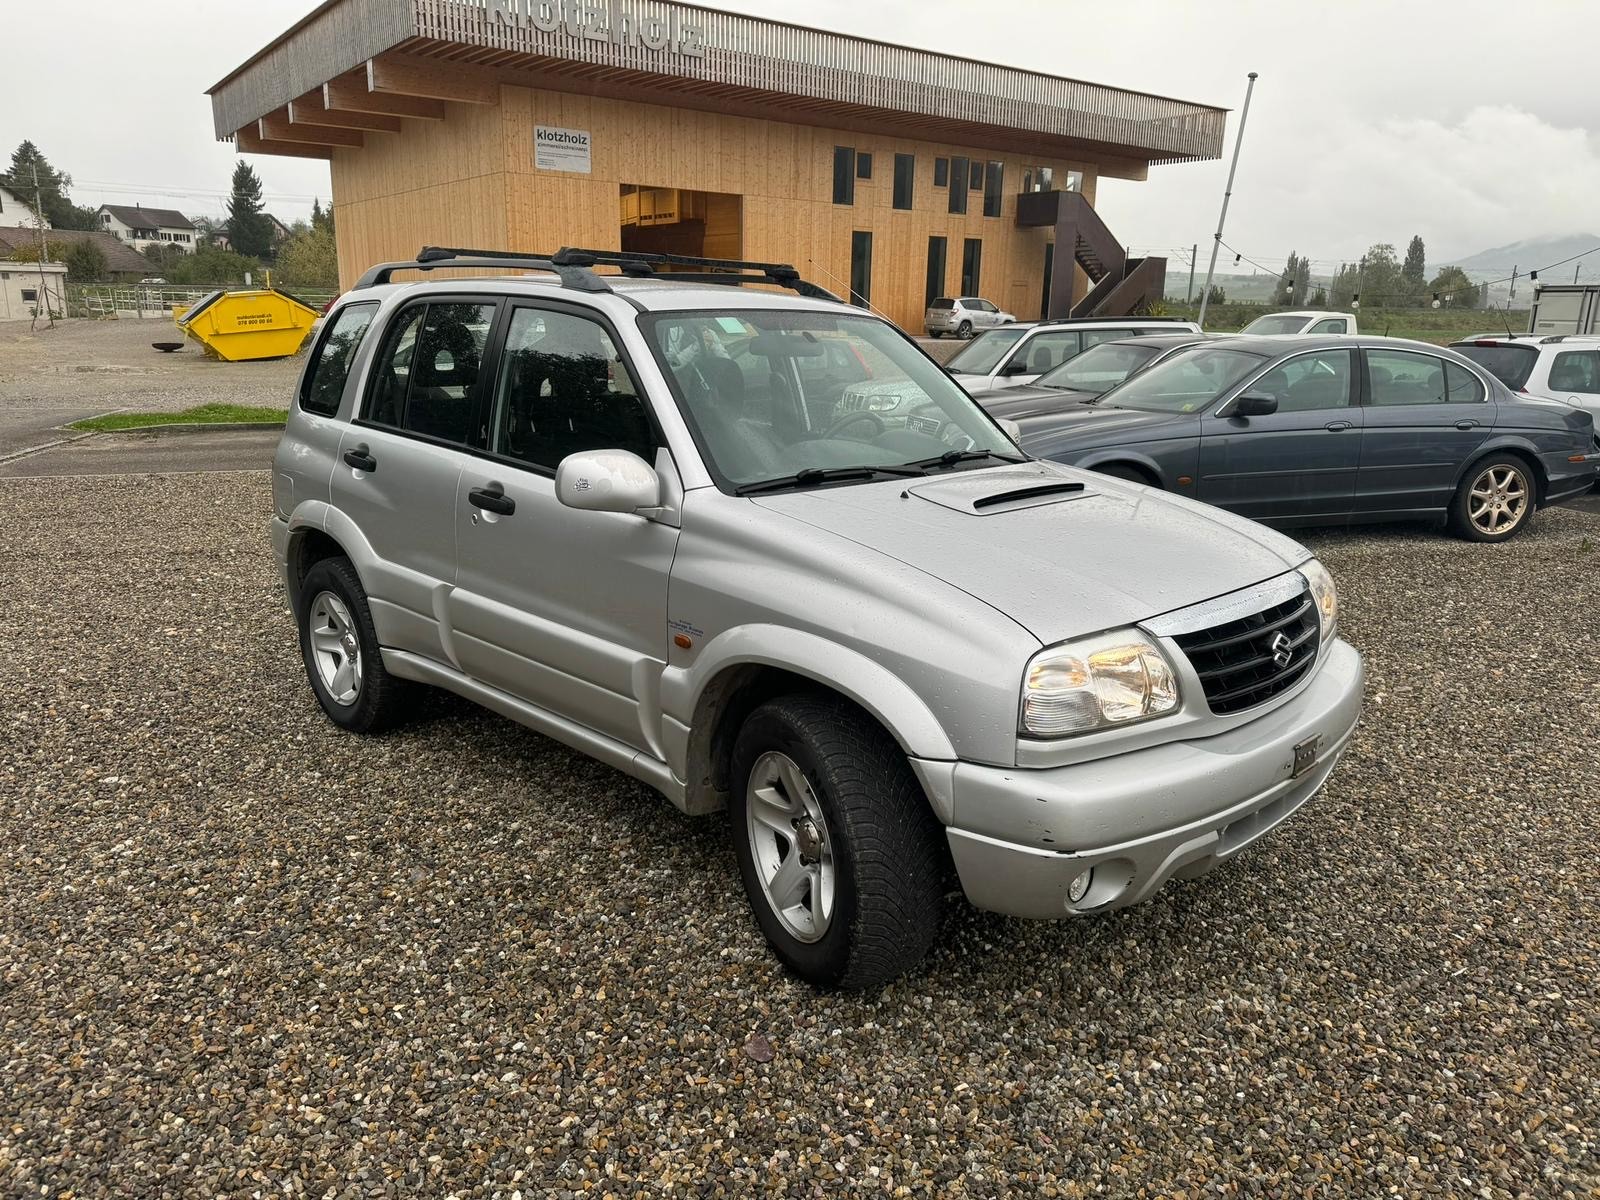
(1244, 115)
(1194, 261)
(44, 251)
(1513, 290)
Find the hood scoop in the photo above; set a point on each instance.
(1001, 490)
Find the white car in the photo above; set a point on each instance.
(1019, 354)
(1562, 366)
(963, 316)
(1310, 321)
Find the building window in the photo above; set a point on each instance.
(993, 189)
(30, 295)
(905, 172)
(958, 185)
(844, 175)
(971, 266)
(936, 251)
(863, 165)
(860, 268)
(941, 172)
(977, 175)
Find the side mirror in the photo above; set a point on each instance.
(1015, 367)
(1254, 404)
(607, 481)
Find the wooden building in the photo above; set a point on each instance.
(891, 174)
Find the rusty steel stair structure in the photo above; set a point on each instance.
(1120, 286)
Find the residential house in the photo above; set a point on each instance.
(139, 226)
(280, 231)
(124, 264)
(14, 210)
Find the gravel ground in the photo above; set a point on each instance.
(243, 954)
(83, 368)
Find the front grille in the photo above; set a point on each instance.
(1248, 661)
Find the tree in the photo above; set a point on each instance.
(59, 210)
(163, 256)
(248, 228)
(307, 258)
(1454, 288)
(1216, 295)
(1379, 276)
(1320, 300)
(321, 218)
(1281, 296)
(1415, 269)
(86, 262)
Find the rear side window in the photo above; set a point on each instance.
(1509, 363)
(325, 379)
(1465, 387)
(427, 374)
(1576, 371)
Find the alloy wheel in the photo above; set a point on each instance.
(1498, 500)
(790, 845)
(335, 648)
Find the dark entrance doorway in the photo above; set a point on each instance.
(679, 221)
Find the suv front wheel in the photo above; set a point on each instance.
(340, 649)
(843, 862)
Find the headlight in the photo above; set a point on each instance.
(1326, 596)
(1108, 680)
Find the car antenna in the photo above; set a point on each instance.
(1506, 321)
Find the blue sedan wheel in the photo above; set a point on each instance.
(1494, 501)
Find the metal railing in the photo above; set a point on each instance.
(138, 301)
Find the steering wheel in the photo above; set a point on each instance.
(850, 419)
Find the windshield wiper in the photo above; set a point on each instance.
(815, 475)
(951, 457)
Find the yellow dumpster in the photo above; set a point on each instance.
(249, 323)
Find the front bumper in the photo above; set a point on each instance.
(1020, 837)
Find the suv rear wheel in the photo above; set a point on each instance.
(340, 649)
(1495, 501)
(964, 330)
(842, 860)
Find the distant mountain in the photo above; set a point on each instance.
(1532, 255)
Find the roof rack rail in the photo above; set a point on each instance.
(575, 268)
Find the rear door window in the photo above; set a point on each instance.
(1046, 351)
(330, 367)
(426, 379)
(1398, 377)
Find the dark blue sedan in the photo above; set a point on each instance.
(1320, 430)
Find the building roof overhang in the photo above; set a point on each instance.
(352, 68)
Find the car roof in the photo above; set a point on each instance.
(1278, 345)
(1175, 323)
(1162, 341)
(1533, 341)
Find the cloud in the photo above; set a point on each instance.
(1328, 186)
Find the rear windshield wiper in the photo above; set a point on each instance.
(951, 457)
(815, 475)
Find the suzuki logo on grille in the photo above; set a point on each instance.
(1282, 649)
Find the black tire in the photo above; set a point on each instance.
(964, 331)
(1487, 471)
(381, 700)
(935, 334)
(1123, 471)
(889, 853)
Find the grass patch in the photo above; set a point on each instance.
(204, 414)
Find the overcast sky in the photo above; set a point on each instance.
(1473, 124)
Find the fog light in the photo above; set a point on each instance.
(1079, 887)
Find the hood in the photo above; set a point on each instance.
(1082, 426)
(1061, 552)
(1018, 403)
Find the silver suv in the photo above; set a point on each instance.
(627, 512)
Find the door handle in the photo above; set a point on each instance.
(1338, 426)
(1468, 423)
(360, 458)
(493, 498)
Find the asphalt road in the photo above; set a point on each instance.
(148, 453)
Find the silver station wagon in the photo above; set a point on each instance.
(629, 511)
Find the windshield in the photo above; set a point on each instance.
(984, 352)
(1098, 368)
(1510, 364)
(1185, 382)
(1275, 323)
(771, 393)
